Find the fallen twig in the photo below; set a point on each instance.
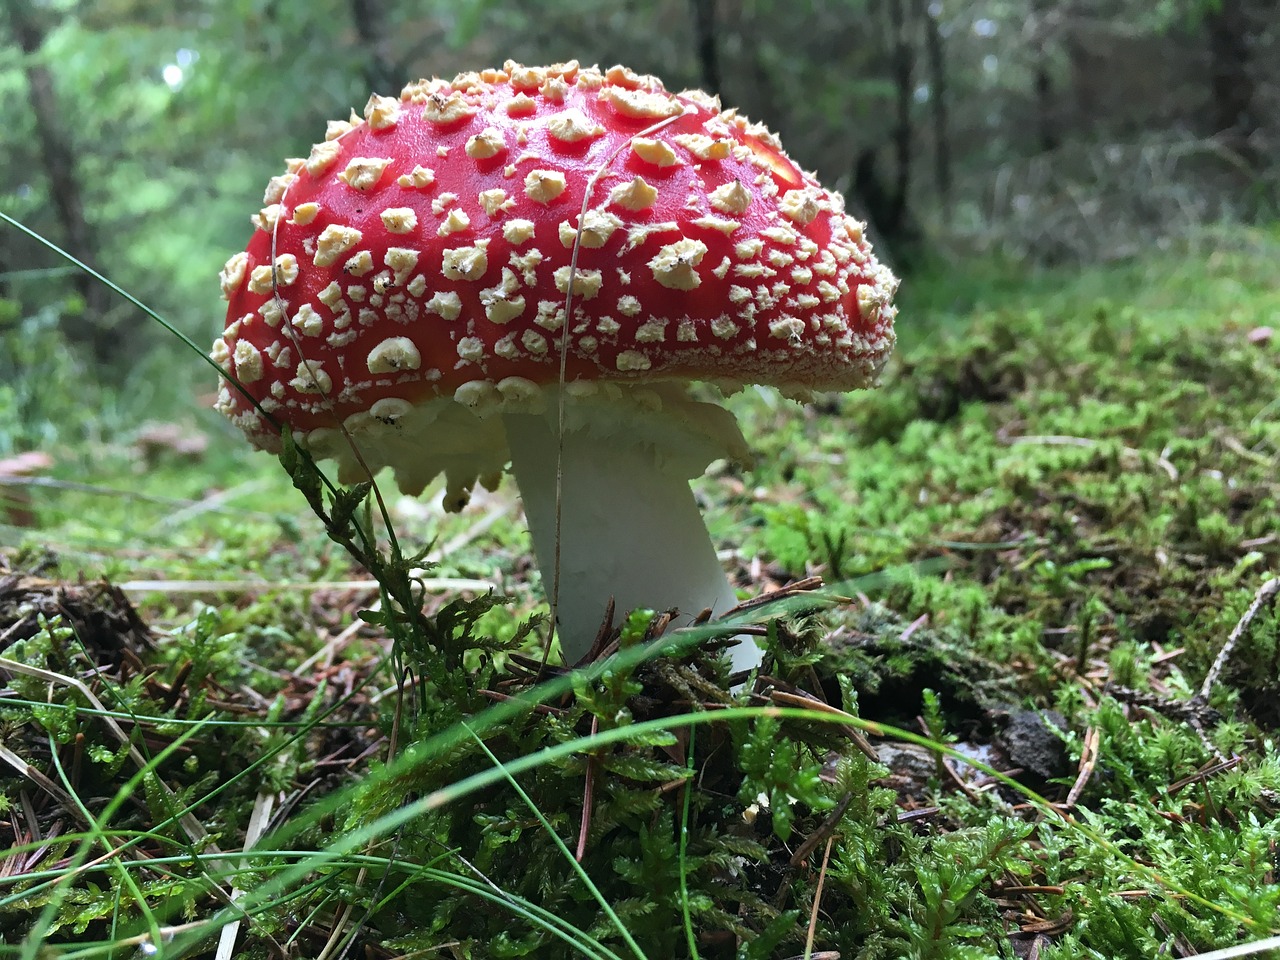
(1266, 593)
(1088, 760)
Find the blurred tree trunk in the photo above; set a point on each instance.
(1083, 115)
(381, 75)
(704, 25)
(1046, 111)
(902, 133)
(938, 103)
(1231, 81)
(887, 206)
(89, 327)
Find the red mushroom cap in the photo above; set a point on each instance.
(423, 253)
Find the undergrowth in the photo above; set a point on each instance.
(1037, 537)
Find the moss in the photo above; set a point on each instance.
(1045, 526)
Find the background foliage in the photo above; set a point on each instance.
(138, 134)
(1073, 459)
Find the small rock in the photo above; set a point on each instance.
(1032, 742)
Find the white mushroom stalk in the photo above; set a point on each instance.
(629, 527)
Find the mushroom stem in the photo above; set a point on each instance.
(630, 527)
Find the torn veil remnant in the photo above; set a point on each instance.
(408, 281)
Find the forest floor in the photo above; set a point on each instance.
(1031, 713)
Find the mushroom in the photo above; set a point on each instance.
(405, 294)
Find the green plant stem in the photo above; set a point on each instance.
(562, 847)
(684, 846)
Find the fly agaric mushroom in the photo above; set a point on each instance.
(404, 294)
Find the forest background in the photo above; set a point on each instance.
(1054, 526)
(137, 134)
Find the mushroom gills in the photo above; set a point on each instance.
(630, 528)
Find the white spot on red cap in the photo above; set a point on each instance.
(500, 302)
(516, 232)
(785, 235)
(586, 283)
(471, 349)
(703, 147)
(534, 342)
(272, 312)
(322, 157)
(710, 222)
(597, 228)
(334, 129)
(394, 355)
(652, 331)
(446, 304)
(550, 315)
(382, 113)
(333, 242)
(277, 186)
(495, 202)
(732, 198)
(485, 144)
(399, 219)
(790, 329)
(800, 206)
(466, 263)
(641, 104)
(445, 110)
(657, 152)
(455, 222)
(554, 89)
(264, 279)
(363, 173)
(572, 126)
(543, 186)
(307, 321)
(675, 265)
(501, 309)
(267, 218)
(521, 105)
(232, 275)
(622, 76)
(311, 377)
(220, 353)
(443, 202)
(632, 360)
(519, 391)
(481, 397)
(634, 196)
(358, 266)
(724, 327)
(401, 260)
(417, 178)
(526, 265)
(639, 233)
(248, 362)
